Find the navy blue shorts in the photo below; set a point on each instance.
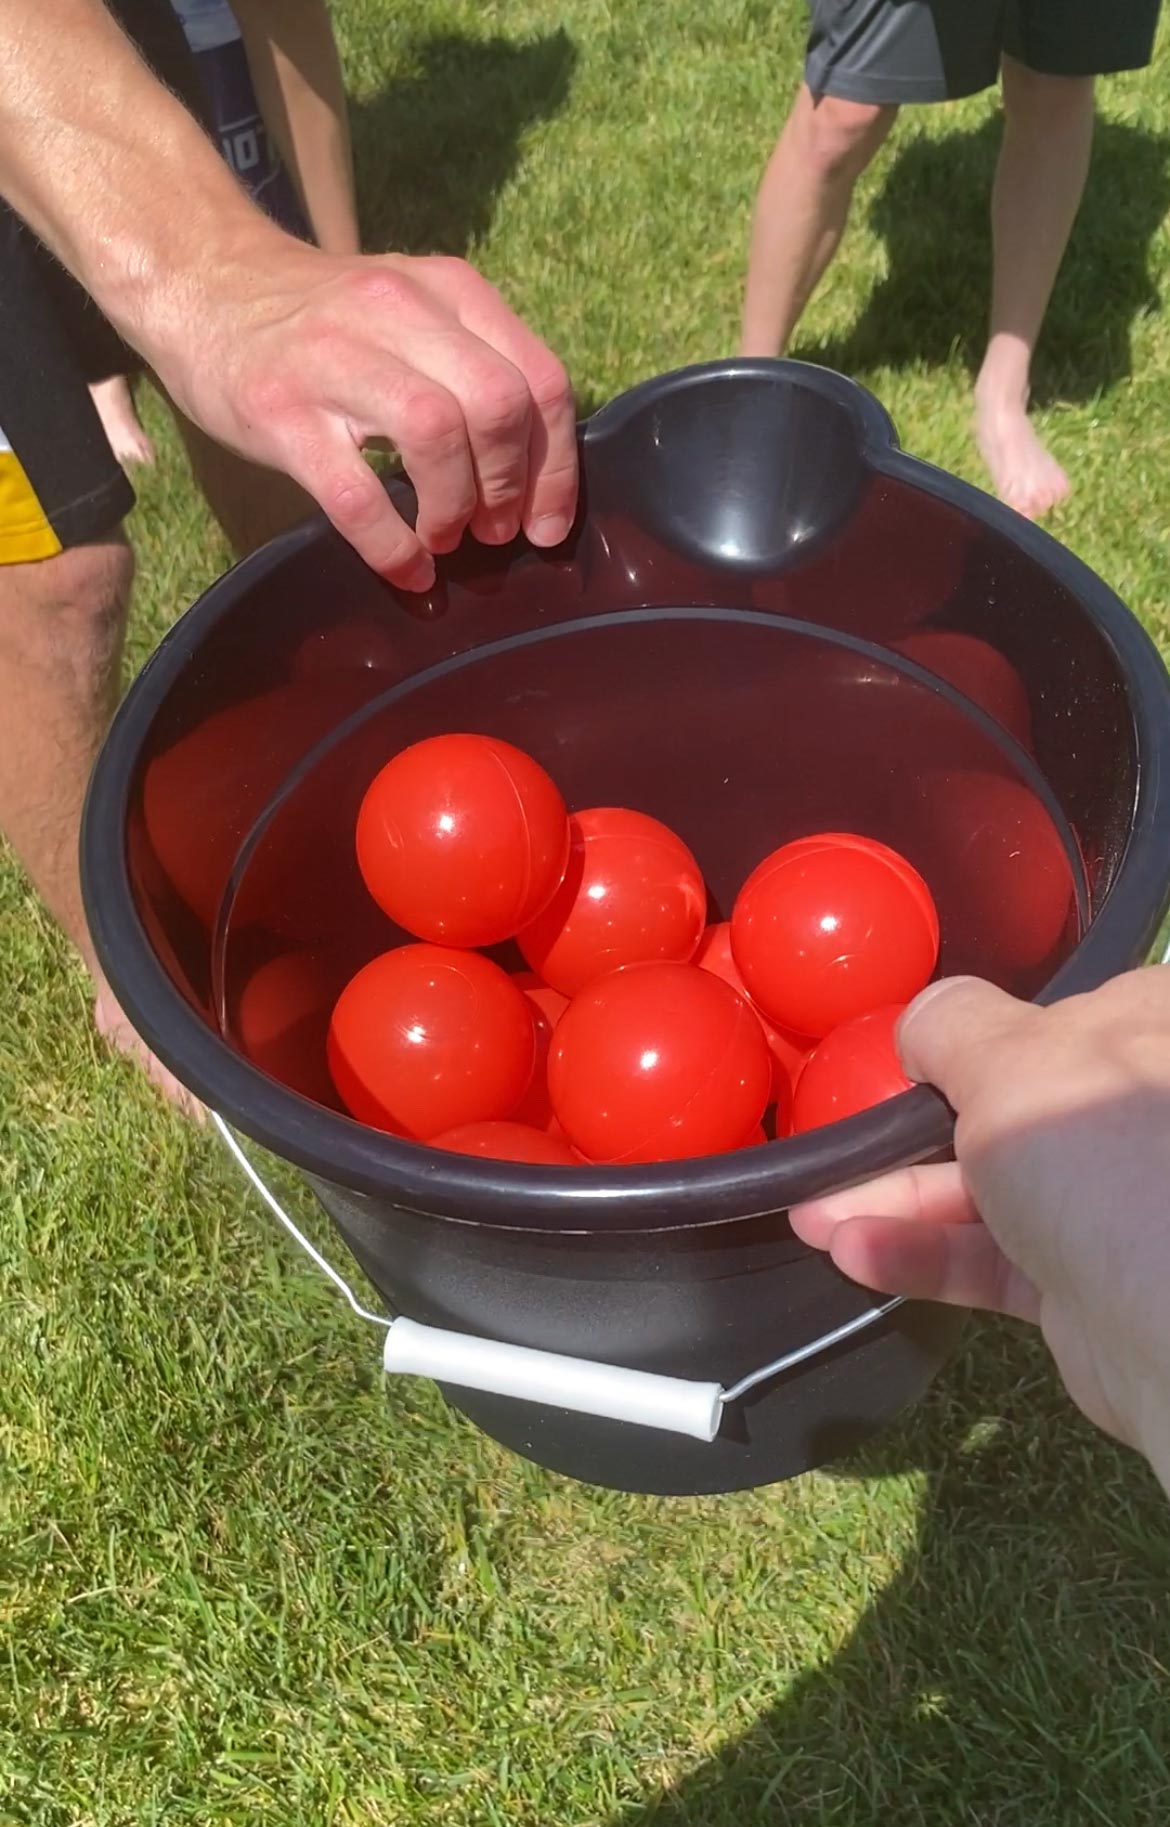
(893, 51)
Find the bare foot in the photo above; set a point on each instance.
(115, 404)
(113, 1025)
(1025, 474)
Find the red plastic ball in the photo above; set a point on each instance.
(978, 670)
(1002, 866)
(830, 926)
(508, 1142)
(547, 1008)
(632, 894)
(281, 1020)
(202, 794)
(657, 1062)
(855, 1067)
(789, 1051)
(424, 1038)
(462, 839)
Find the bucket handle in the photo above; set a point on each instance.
(609, 1391)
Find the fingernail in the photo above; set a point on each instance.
(501, 529)
(421, 575)
(815, 1222)
(921, 1002)
(549, 530)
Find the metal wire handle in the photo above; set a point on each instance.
(294, 1231)
(642, 1397)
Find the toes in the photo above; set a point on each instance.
(1025, 500)
(1039, 498)
(1016, 494)
(115, 1030)
(172, 1090)
(1035, 490)
(1024, 474)
(1027, 504)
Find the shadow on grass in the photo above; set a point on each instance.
(932, 213)
(434, 149)
(1024, 1629)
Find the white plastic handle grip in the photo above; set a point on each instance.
(607, 1390)
(544, 1376)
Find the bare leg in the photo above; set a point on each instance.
(296, 72)
(802, 209)
(1043, 164)
(62, 623)
(115, 404)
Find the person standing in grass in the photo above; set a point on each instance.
(865, 59)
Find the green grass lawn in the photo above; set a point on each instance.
(244, 1582)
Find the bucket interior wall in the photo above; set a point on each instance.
(740, 731)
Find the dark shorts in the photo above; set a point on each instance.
(60, 483)
(891, 51)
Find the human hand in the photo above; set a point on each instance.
(1057, 1207)
(296, 359)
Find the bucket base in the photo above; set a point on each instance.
(711, 1308)
(772, 1435)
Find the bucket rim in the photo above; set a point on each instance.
(689, 1195)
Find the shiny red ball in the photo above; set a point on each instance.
(462, 839)
(424, 1038)
(547, 1008)
(281, 1019)
(853, 1068)
(237, 758)
(1001, 864)
(657, 1062)
(789, 1051)
(831, 926)
(976, 669)
(632, 894)
(507, 1142)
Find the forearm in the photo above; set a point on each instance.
(294, 358)
(296, 72)
(112, 172)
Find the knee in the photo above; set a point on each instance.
(843, 136)
(1043, 103)
(68, 611)
(84, 583)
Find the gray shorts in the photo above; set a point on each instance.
(891, 51)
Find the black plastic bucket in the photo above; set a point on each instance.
(769, 621)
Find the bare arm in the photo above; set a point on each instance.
(296, 70)
(293, 357)
(98, 166)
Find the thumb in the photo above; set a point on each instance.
(945, 1035)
